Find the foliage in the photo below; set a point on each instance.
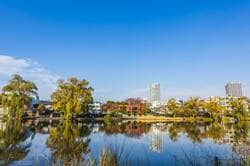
(69, 143)
(107, 118)
(109, 158)
(72, 96)
(172, 106)
(192, 106)
(238, 108)
(41, 108)
(241, 130)
(1, 99)
(17, 96)
(214, 109)
(12, 137)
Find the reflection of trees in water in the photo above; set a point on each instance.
(241, 132)
(130, 129)
(215, 131)
(135, 129)
(69, 143)
(241, 139)
(15, 139)
(219, 133)
(196, 132)
(192, 130)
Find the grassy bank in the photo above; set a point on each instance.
(152, 118)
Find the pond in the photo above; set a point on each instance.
(127, 142)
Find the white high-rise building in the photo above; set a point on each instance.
(156, 138)
(154, 93)
(234, 89)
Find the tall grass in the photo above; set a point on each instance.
(112, 156)
(109, 157)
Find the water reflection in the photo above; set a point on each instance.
(156, 137)
(15, 140)
(69, 142)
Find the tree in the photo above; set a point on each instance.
(192, 106)
(172, 106)
(72, 96)
(1, 99)
(214, 109)
(238, 108)
(248, 104)
(17, 96)
(41, 108)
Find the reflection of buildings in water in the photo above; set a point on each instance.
(136, 130)
(96, 128)
(156, 137)
(242, 149)
(229, 136)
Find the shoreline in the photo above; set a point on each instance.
(143, 118)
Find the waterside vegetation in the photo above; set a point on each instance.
(72, 97)
(69, 141)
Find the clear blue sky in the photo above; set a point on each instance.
(192, 47)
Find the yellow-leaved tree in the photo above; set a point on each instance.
(72, 96)
(17, 96)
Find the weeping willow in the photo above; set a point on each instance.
(17, 96)
(72, 96)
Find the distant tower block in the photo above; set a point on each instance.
(154, 93)
(234, 89)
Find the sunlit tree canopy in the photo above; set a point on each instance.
(72, 96)
(17, 95)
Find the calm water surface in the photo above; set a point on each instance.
(78, 143)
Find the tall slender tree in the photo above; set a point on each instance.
(72, 96)
(17, 96)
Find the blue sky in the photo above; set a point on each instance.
(192, 48)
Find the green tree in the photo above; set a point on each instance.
(192, 106)
(72, 96)
(41, 108)
(17, 96)
(172, 106)
(1, 99)
(214, 109)
(248, 104)
(238, 108)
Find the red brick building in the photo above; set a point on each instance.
(136, 105)
(131, 105)
(114, 106)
